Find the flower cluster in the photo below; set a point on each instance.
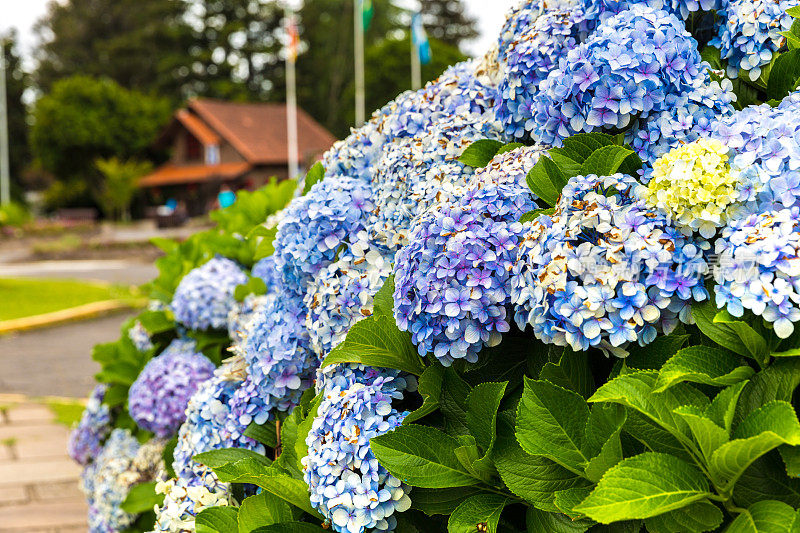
(604, 270)
(602, 10)
(183, 502)
(751, 33)
(278, 351)
(265, 270)
(348, 485)
(759, 268)
(241, 317)
(342, 293)
(451, 279)
(696, 188)
(624, 71)
(316, 225)
(204, 296)
(86, 440)
(140, 337)
(121, 464)
(157, 399)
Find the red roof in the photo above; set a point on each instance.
(197, 127)
(258, 131)
(176, 174)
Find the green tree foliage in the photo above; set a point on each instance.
(119, 185)
(86, 118)
(140, 44)
(447, 21)
(17, 81)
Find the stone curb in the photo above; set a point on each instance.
(72, 314)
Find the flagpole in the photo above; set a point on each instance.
(358, 21)
(416, 67)
(291, 103)
(5, 187)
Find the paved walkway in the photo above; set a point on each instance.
(38, 483)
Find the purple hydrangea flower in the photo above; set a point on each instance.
(204, 296)
(86, 440)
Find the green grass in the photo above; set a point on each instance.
(67, 412)
(29, 297)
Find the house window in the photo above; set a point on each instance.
(193, 148)
(212, 154)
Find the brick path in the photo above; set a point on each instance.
(38, 482)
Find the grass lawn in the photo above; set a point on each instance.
(28, 297)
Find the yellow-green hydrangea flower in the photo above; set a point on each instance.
(696, 187)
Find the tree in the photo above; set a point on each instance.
(388, 69)
(326, 68)
(140, 44)
(86, 118)
(447, 21)
(119, 185)
(17, 82)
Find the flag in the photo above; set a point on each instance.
(420, 39)
(294, 39)
(366, 12)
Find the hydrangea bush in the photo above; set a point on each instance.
(554, 290)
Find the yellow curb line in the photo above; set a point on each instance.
(68, 315)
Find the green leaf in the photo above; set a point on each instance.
(377, 341)
(217, 520)
(530, 216)
(156, 322)
(784, 74)
(477, 513)
(695, 518)
(441, 501)
(754, 343)
(226, 456)
(568, 499)
(610, 454)
(453, 402)
(479, 153)
(723, 406)
(719, 332)
(384, 299)
(703, 364)
(291, 527)
(768, 516)
(572, 372)
(470, 458)
(141, 498)
(303, 429)
(551, 422)
(793, 11)
(539, 521)
(607, 160)
(531, 477)
(766, 479)
(430, 388)
(761, 432)
(263, 510)
(508, 147)
(776, 382)
(643, 486)
(482, 405)
(421, 456)
(706, 434)
(546, 180)
(253, 286)
(791, 458)
(315, 175)
(266, 434)
(293, 491)
(265, 247)
(656, 354)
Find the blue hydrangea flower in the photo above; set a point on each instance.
(759, 270)
(348, 485)
(622, 73)
(604, 270)
(451, 280)
(750, 33)
(157, 399)
(140, 337)
(241, 317)
(265, 270)
(342, 293)
(204, 297)
(85, 441)
(316, 225)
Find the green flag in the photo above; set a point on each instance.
(366, 12)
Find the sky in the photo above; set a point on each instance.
(22, 14)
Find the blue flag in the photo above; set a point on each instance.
(420, 39)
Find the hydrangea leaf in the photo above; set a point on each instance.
(227, 456)
(610, 454)
(479, 153)
(262, 510)
(643, 486)
(156, 322)
(383, 302)
(482, 404)
(766, 479)
(656, 354)
(315, 174)
(469, 456)
(723, 407)
(546, 180)
(376, 341)
(291, 527)
(477, 513)
(768, 516)
(722, 333)
(551, 422)
(293, 491)
(608, 160)
(586, 144)
(698, 517)
(784, 74)
(217, 520)
(702, 364)
(538, 521)
(142, 498)
(422, 456)
(265, 246)
(754, 342)
(791, 458)
(303, 428)
(760, 432)
(572, 373)
(266, 434)
(441, 501)
(453, 402)
(508, 147)
(430, 388)
(708, 435)
(776, 382)
(566, 500)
